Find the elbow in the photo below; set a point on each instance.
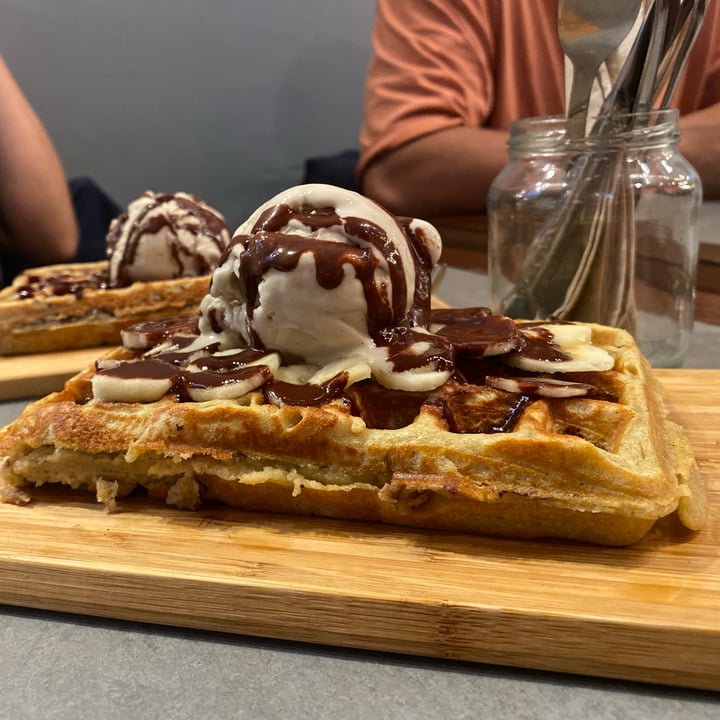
(70, 241)
(56, 243)
(61, 233)
(39, 231)
(387, 186)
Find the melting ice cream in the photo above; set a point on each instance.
(320, 274)
(162, 236)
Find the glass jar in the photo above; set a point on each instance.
(600, 229)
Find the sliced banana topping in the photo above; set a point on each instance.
(415, 359)
(229, 384)
(575, 351)
(295, 374)
(476, 331)
(143, 336)
(204, 386)
(148, 379)
(415, 380)
(356, 367)
(544, 387)
(139, 381)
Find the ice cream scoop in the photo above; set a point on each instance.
(162, 236)
(319, 273)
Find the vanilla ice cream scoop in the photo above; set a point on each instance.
(164, 236)
(319, 273)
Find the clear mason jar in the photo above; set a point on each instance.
(601, 229)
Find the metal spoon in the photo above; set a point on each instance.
(623, 96)
(685, 39)
(654, 56)
(590, 31)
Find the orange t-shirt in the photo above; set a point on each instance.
(484, 63)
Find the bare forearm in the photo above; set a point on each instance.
(445, 173)
(37, 220)
(700, 144)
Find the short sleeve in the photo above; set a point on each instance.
(442, 63)
(431, 69)
(700, 82)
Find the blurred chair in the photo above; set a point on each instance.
(338, 169)
(94, 210)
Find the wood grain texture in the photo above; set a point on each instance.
(24, 376)
(650, 612)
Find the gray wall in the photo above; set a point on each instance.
(224, 99)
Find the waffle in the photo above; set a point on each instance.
(160, 253)
(468, 457)
(60, 307)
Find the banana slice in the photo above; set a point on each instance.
(476, 331)
(136, 381)
(415, 380)
(142, 336)
(232, 382)
(544, 387)
(227, 361)
(356, 367)
(559, 347)
(297, 374)
(209, 385)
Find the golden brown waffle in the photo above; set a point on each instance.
(60, 307)
(600, 468)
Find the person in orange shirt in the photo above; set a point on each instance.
(37, 219)
(447, 78)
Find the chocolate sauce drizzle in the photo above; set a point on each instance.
(468, 332)
(390, 323)
(181, 378)
(62, 284)
(283, 251)
(282, 393)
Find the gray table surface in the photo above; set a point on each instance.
(60, 666)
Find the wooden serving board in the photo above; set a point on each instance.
(23, 376)
(650, 612)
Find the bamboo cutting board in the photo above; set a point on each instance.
(650, 612)
(23, 376)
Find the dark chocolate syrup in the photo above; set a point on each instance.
(62, 284)
(143, 369)
(228, 361)
(538, 344)
(459, 407)
(155, 332)
(217, 378)
(476, 331)
(282, 393)
(390, 324)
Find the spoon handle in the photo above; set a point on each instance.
(687, 40)
(584, 74)
(653, 58)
